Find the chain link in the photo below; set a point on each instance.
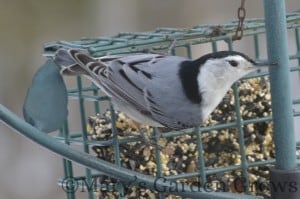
(241, 13)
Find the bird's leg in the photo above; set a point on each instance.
(135, 131)
(128, 127)
(146, 139)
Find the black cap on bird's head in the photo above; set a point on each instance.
(224, 54)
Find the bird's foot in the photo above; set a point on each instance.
(151, 140)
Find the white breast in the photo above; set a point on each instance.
(212, 90)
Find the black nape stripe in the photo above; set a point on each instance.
(221, 54)
(188, 73)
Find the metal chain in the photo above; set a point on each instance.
(241, 12)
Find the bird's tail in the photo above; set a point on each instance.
(72, 62)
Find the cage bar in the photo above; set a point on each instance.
(276, 30)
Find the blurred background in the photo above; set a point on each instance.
(27, 169)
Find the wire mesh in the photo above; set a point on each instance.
(159, 40)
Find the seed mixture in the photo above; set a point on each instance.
(179, 154)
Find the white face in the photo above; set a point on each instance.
(231, 68)
(217, 75)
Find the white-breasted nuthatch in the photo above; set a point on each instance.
(160, 90)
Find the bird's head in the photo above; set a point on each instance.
(217, 72)
(229, 65)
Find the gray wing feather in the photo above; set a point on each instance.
(166, 97)
(134, 85)
(162, 93)
(141, 82)
(123, 88)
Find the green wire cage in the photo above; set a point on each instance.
(232, 153)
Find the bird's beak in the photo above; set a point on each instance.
(263, 63)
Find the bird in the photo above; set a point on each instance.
(161, 90)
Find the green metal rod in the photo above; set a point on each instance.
(219, 170)
(201, 161)
(276, 32)
(67, 164)
(241, 139)
(127, 176)
(88, 172)
(116, 146)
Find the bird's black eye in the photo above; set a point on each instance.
(233, 63)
